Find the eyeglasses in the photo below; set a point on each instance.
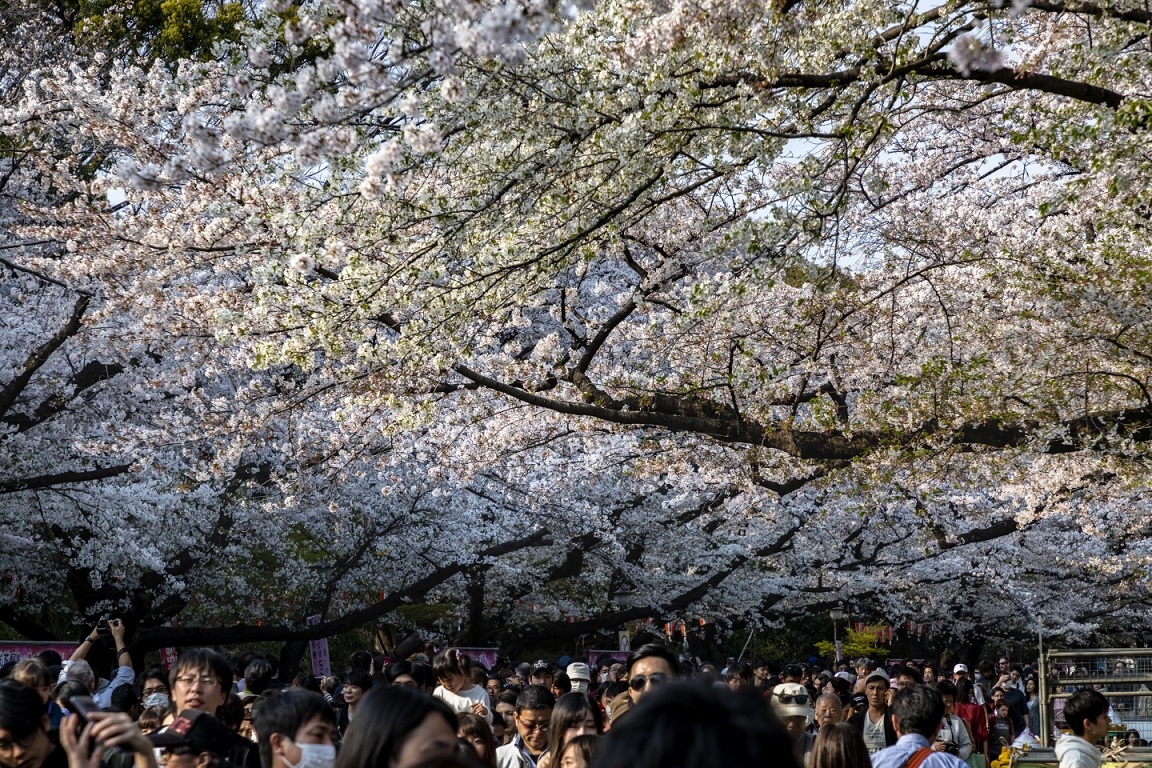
(639, 682)
(157, 689)
(204, 680)
(792, 698)
(533, 725)
(8, 746)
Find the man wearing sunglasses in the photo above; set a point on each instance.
(649, 666)
(792, 704)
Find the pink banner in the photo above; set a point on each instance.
(486, 656)
(616, 655)
(18, 650)
(321, 663)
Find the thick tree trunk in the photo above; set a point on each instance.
(477, 634)
(292, 653)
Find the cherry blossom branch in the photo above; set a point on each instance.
(41, 355)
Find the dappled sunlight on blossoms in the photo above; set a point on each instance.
(746, 308)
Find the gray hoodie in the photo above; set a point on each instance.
(1075, 752)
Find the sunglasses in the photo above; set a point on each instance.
(640, 681)
(792, 698)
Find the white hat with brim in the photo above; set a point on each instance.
(792, 708)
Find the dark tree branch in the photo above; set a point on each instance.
(160, 637)
(701, 417)
(62, 478)
(932, 67)
(1136, 15)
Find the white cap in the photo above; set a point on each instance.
(579, 671)
(797, 700)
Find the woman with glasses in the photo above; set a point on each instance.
(357, 684)
(154, 688)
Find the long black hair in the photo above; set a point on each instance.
(571, 709)
(681, 725)
(386, 717)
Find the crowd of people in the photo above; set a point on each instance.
(445, 709)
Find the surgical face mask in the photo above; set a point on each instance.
(156, 700)
(579, 686)
(315, 756)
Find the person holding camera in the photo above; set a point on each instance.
(953, 737)
(77, 667)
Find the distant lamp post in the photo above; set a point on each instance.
(622, 598)
(837, 615)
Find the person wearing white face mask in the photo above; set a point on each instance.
(295, 728)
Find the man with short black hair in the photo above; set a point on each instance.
(295, 728)
(532, 717)
(541, 674)
(792, 673)
(1087, 714)
(650, 665)
(906, 677)
(201, 680)
(916, 713)
(257, 676)
(25, 740)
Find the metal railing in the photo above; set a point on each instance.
(1122, 675)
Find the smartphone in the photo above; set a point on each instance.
(82, 706)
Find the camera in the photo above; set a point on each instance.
(952, 749)
(102, 627)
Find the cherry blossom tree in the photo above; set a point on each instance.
(748, 309)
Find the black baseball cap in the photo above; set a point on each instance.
(196, 729)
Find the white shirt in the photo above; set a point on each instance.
(463, 701)
(874, 737)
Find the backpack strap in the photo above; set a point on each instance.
(918, 757)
